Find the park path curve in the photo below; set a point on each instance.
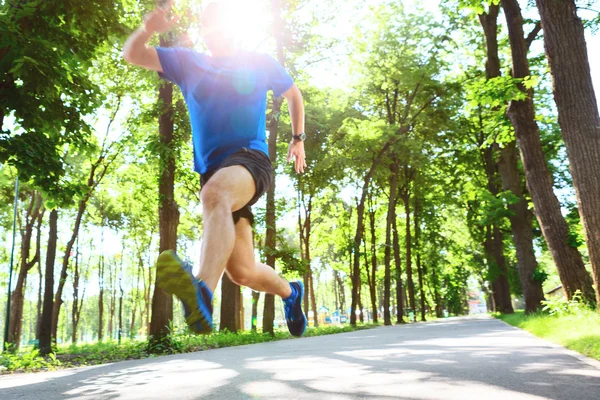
(456, 358)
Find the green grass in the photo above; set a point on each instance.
(578, 330)
(28, 359)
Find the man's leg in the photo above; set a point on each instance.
(243, 270)
(228, 190)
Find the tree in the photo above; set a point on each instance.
(34, 214)
(45, 334)
(162, 303)
(47, 48)
(577, 114)
(521, 113)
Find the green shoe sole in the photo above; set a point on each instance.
(173, 279)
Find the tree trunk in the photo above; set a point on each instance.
(229, 318)
(45, 338)
(168, 212)
(494, 241)
(398, 273)
(578, 117)
(522, 229)
(111, 308)
(521, 223)
(568, 261)
(39, 301)
(393, 179)
(418, 254)
(311, 281)
(75, 307)
(409, 278)
(373, 283)
(436, 293)
(15, 325)
(136, 294)
(271, 239)
(360, 209)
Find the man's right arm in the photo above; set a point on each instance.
(136, 51)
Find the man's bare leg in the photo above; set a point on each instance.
(243, 270)
(228, 190)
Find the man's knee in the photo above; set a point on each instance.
(241, 276)
(213, 197)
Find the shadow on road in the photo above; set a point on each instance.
(451, 359)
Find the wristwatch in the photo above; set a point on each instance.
(300, 138)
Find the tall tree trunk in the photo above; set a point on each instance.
(301, 241)
(522, 229)
(311, 281)
(45, 338)
(393, 179)
(361, 315)
(398, 272)
(373, 283)
(409, 277)
(101, 298)
(521, 221)
(568, 261)
(436, 293)
(495, 241)
(168, 212)
(136, 295)
(271, 239)
(39, 301)
(120, 327)
(15, 325)
(95, 177)
(417, 214)
(229, 318)
(578, 116)
(75, 307)
(113, 293)
(360, 210)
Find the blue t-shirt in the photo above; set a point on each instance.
(226, 99)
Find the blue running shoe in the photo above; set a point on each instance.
(175, 277)
(294, 316)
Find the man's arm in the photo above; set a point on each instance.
(136, 51)
(296, 108)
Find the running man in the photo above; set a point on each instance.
(226, 96)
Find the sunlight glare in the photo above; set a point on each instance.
(249, 22)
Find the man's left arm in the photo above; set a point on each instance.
(296, 108)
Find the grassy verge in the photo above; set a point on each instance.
(29, 360)
(578, 331)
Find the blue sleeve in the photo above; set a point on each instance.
(173, 62)
(278, 79)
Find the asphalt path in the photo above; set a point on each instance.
(457, 358)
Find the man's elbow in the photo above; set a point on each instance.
(293, 94)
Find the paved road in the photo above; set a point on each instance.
(462, 358)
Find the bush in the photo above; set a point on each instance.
(29, 360)
(564, 306)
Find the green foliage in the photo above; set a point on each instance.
(29, 361)
(563, 306)
(539, 275)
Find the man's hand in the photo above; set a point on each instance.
(296, 150)
(159, 20)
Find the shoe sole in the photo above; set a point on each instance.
(173, 279)
(301, 285)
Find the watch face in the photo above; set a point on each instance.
(302, 136)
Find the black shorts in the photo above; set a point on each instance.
(259, 166)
